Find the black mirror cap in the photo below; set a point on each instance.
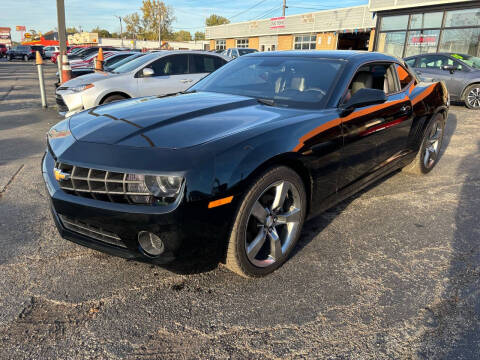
(363, 97)
(450, 68)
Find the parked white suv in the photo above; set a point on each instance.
(152, 74)
(50, 50)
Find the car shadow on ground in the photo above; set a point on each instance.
(456, 316)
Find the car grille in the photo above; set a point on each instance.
(103, 185)
(62, 107)
(91, 231)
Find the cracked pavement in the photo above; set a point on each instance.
(392, 273)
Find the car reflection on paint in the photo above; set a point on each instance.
(230, 169)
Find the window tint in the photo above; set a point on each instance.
(411, 62)
(288, 81)
(373, 76)
(398, 22)
(170, 65)
(403, 76)
(433, 62)
(205, 63)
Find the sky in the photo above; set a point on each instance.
(41, 15)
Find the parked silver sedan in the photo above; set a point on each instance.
(460, 72)
(152, 74)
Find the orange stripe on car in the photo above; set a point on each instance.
(220, 202)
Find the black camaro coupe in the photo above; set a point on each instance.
(232, 168)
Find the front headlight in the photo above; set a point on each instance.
(163, 188)
(81, 87)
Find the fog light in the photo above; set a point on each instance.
(150, 243)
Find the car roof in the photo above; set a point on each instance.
(437, 53)
(349, 55)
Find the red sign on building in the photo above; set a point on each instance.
(277, 22)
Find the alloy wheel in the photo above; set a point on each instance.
(273, 223)
(473, 97)
(432, 148)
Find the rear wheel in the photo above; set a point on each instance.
(472, 97)
(428, 154)
(113, 98)
(268, 223)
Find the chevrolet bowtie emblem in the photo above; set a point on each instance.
(60, 175)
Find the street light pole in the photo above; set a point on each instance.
(121, 29)
(160, 32)
(284, 7)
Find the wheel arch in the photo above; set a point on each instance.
(292, 161)
(464, 91)
(124, 94)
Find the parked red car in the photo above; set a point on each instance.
(3, 50)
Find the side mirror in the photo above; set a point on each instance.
(146, 72)
(363, 97)
(451, 68)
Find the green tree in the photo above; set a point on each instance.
(101, 32)
(182, 35)
(152, 12)
(133, 27)
(214, 19)
(199, 35)
(72, 30)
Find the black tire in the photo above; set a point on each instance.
(113, 98)
(420, 165)
(237, 259)
(472, 97)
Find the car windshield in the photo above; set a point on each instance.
(132, 65)
(246, 51)
(117, 64)
(300, 82)
(471, 61)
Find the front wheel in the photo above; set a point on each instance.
(268, 223)
(429, 152)
(472, 97)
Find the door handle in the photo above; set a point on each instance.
(185, 81)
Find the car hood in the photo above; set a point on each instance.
(87, 79)
(172, 122)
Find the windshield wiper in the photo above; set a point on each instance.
(268, 102)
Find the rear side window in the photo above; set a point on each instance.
(410, 62)
(205, 63)
(403, 76)
(170, 65)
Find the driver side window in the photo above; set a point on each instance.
(170, 65)
(373, 76)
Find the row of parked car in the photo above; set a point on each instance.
(132, 74)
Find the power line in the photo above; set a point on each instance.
(244, 11)
(275, 8)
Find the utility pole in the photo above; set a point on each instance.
(160, 28)
(62, 32)
(121, 29)
(284, 7)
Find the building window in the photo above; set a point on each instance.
(305, 42)
(242, 43)
(220, 45)
(428, 32)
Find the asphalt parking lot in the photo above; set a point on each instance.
(393, 273)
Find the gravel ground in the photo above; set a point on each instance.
(392, 273)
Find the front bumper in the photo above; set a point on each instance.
(188, 231)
